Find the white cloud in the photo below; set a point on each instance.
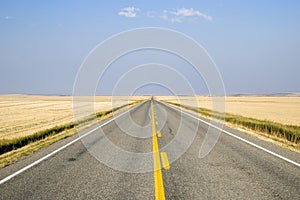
(191, 12)
(129, 12)
(181, 14)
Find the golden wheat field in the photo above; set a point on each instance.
(22, 115)
(281, 109)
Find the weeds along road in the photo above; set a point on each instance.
(232, 170)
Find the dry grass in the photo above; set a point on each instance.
(253, 115)
(284, 110)
(23, 115)
(14, 154)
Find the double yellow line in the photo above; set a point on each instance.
(158, 179)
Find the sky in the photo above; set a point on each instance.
(255, 44)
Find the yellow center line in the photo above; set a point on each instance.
(158, 180)
(165, 161)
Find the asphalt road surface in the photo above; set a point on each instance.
(232, 170)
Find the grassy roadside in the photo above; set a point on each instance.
(285, 135)
(11, 150)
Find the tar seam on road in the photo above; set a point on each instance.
(235, 136)
(63, 147)
(158, 180)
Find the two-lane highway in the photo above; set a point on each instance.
(232, 170)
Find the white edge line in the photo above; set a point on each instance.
(235, 136)
(63, 147)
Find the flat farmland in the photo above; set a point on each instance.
(22, 115)
(281, 109)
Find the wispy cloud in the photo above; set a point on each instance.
(151, 14)
(129, 12)
(183, 14)
(180, 15)
(8, 17)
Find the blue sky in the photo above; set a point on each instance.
(255, 44)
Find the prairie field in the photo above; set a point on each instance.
(281, 109)
(23, 115)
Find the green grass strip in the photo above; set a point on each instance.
(287, 132)
(11, 144)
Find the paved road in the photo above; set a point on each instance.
(232, 170)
